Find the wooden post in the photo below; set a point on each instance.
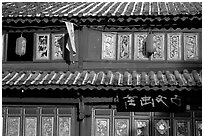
(81, 117)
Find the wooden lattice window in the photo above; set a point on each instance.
(38, 121)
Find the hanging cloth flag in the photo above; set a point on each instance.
(70, 29)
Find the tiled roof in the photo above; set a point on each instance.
(101, 9)
(102, 80)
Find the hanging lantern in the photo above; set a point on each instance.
(20, 46)
(150, 49)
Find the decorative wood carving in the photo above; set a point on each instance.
(108, 46)
(190, 46)
(124, 46)
(174, 46)
(139, 46)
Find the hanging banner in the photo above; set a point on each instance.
(148, 102)
(70, 29)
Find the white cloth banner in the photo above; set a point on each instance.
(70, 29)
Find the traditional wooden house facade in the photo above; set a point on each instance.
(136, 69)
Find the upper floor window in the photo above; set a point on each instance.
(33, 46)
(49, 46)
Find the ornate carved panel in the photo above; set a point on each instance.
(142, 127)
(47, 126)
(121, 127)
(108, 46)
(57, 46)
(174, 46)
(64, 126)
(42, 47)
(162, 127)
(139, 46)
(30, 126)
(13, 126)
(198, 128)
(124, 46)
(158, 43)
(101, 127)
(181, 127)
(190, 46)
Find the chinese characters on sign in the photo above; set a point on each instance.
(150, 102)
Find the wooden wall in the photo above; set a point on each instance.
(89, 46)
(92, 47)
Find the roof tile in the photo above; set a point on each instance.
(138, 80)
(28, 10)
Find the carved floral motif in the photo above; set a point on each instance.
(174, 47)
(139, 47)
(162, 127)
(158, 43)
(64, 126)
(142, 127)
(13, 126)
(124, 46)
(102, 127)
(182, 127)
(121, 127)
(30, 126)
(47, 126)
(199, 128)
(190, 46)
(108, 45)
(57, 46)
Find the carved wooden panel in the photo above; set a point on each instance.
(57, 46)
(47, 126)
(158, 43)
(101, 127)
(42, 51)
(13, 126)
(181, 127)
(190, 46)
(142, 127)
(174, 46)
(124, 46)
(162, 127)
(64, 126)
(121, 127)
(139, 46)
(30, 126)
(109, 46)
(198, 128)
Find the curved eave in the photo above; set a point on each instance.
(99, 19)
(89, 87)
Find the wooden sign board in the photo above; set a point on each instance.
(149, 102)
